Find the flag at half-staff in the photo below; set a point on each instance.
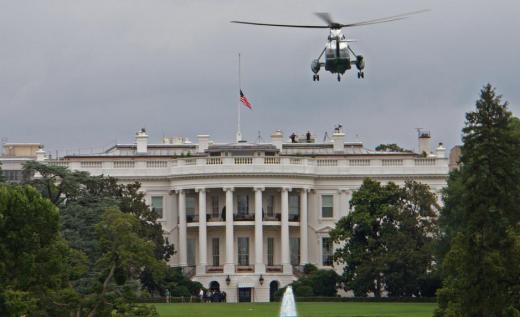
(244, 101)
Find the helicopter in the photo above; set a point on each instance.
(339, 56)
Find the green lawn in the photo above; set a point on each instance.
(304, 310)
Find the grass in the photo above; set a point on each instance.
(304, 310)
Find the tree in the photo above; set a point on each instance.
(35, 262)
(481, 218)
(64, 187)
(314, 282)
(390, 148)
(83, 201)
(387, 239)
(123, 253)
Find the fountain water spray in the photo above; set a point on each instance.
(288, 308)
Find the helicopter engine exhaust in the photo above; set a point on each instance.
(360, 62)
(315, 66)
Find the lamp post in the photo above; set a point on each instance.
(228, 280)
(261, 279)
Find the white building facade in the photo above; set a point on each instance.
(244, 218)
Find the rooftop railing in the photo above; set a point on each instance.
(291, 165)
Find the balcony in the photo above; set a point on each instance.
(274, 269)
(243, 217)
(272, 217)
(244, 269)
(215, 218)
(363, 166)
(215, 269)
(294, 217)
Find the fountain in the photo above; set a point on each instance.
(288, 308)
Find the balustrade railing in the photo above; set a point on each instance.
(249, 160)
(156, 164)
(392, 162)
(214, 161)
(271, 160)
(124, 164)
(243, 160)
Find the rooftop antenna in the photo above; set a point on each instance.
(325, 137)
(259, 138)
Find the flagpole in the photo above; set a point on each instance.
(239, 134)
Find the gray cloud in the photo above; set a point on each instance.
(76, 74)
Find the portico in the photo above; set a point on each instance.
(234, 211)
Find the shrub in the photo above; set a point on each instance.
(181, 291)
(303, 291)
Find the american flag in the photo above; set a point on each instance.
(244, 100)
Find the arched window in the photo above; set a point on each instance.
(214, 286)
(273, 287)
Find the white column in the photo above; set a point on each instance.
(343, 202)
(201, 268)
(304, 242)
(286, 256)
(259, 235)
(183, 243)
(229, 264)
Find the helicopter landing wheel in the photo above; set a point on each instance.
(339, 77)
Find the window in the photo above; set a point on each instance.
(270, 205)
(294, 246)
(327, 204)
(13, 175)
(270, 251)
(191, 252)
(326, 251)
(214, 206)
(157, 205)
(190, 207)
(294, 207)
(215, 250)
(243, 204)
(243, 251)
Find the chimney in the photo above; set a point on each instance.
(141, 139)
(203, 142)
(277, 139)
(338, 139)
(440, 151)
(40, 155)
(424, 143)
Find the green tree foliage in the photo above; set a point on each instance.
(390, 148)
(82, 199)
(481, 218)
(123, 252)
(84, 202)
(314, 282)
(35, 262)
(387, 240)
(63, 186)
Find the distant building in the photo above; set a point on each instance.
(14, 155)
(245, 217)
(455, 157)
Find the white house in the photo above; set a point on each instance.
(245, 217)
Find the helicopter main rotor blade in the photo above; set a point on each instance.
(285, 25)
(385, 19)
(325, 16)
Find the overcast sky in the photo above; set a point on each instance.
(82, 74)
